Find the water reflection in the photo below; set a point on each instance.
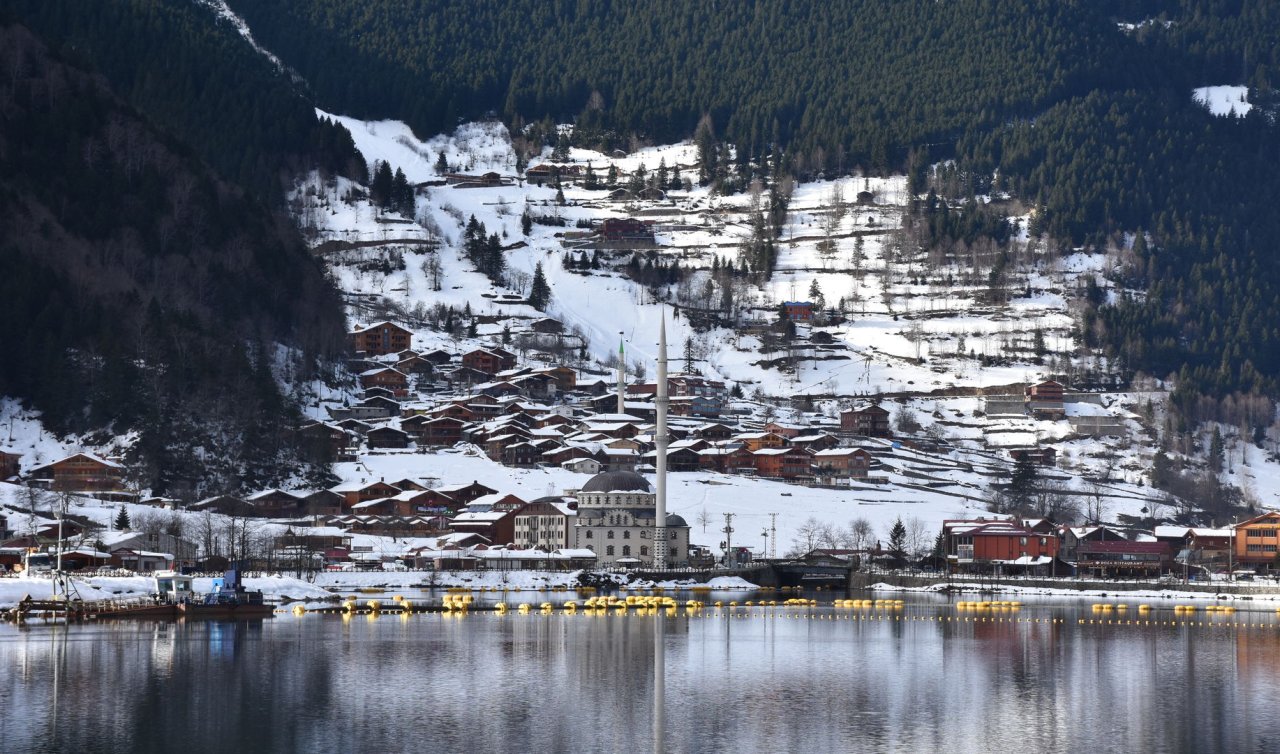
(772, 680)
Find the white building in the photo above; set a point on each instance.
(616, 521)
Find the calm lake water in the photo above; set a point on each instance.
(774, 680)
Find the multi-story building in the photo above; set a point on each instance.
(616, 521)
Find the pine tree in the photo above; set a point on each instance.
(898, 541)
(1023, 482)
(539, 291)
(526, 223)
(1217, 451)
(442, 165)
(380, 188)
(122, 520)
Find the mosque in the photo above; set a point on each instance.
(617, 521)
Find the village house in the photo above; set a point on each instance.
(1044, 400)
(1042, 456)
(754, 441)
(543, 524)
(81, 472)
(1074, 536)
(985, 545)
(10, 464)
(359, 492)
(442, 431)
(1198, 548)
(275, 503)
(1257, 542)
(488, 361)
(582, 465)
(866, 421)
(380, 339)
(386, 377)
(814, 442)
(798, 311)
(147, 551)
(626, 230)
(324, 440)
(496, 526)
(842, 462)
(1123, 559)
(782, 463)
(386, 437)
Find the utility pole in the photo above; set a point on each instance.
(728, 540)
(773, 536)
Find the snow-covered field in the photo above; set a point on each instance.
(1224, 100)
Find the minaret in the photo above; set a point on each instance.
(622, 377)
(660, 441)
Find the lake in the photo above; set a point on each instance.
(926, 677)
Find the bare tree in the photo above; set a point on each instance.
(1097, 501)
(918, 537)
(808, 535)
(861, 535)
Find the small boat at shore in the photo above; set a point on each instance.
(174, 597)
(228, 598)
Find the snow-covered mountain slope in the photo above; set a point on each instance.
(925, 333)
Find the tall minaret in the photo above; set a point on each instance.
(622, 377)
(660, 441)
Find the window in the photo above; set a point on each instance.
(589, 533)
(591, 548)
(1022, 540)
(626, 549)
(609, 535)
(675, 552)
(609, 551)
(644, 533)
(644, 551)
(626, 534)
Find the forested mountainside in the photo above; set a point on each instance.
(1081, 109)
(862, 81)
(142, 291)
(189, 72)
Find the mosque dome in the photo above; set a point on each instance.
(617, 481)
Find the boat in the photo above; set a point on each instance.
(227, 599)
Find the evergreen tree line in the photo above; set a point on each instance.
(191, 73)
(484, 249)
(391, 191)
(845, 84)
(142, 291)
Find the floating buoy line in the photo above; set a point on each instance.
(460, 603)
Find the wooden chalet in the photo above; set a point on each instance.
(386, 377)
(386, 437)
(783, 463)
(359, 492)
(1042, 456)
(842, 462)
(866, 421)
(276, 503)
(488, 361)
(380, 339)
(10, 464)
(1045, 400)
(80, 472)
